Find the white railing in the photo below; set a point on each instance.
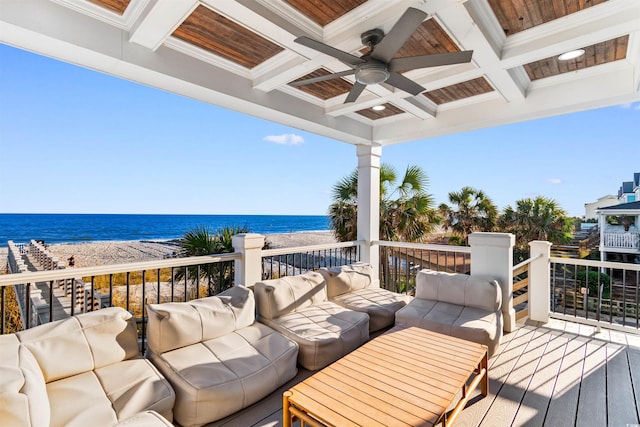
(491, 252)
(298, 260)
(599, 293)
(621, 240)
(400, 262)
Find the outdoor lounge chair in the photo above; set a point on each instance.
(297, 307)
(216, 356)
(82, 371)
(459, 305)
(351, 286)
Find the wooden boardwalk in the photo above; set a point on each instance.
(558, 374)
(61, 303)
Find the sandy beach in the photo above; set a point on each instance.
(114, 252)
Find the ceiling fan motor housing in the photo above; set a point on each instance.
(372, 37)
(372, 73)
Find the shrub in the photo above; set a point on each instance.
(593, 279)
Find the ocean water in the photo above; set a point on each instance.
(75, 228)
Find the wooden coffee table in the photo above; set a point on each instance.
(405, 377)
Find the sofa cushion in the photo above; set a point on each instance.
(347, 278)
(135, 385)
(79, 344)
(351, 286)
(380, 304)
(79, 400)
(325, 332)
(145, 419)
(23, 394)
(459, 289)
(220, 376)
(290, 294)
(175, 325)
(470, 323)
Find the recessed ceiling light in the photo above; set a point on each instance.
(573, 54)
(378, 107)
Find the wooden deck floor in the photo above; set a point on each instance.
(558, 374)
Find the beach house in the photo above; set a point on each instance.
(618, 224)
(346, 70)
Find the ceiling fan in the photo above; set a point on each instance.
(378, 65)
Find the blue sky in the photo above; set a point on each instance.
(76, 141)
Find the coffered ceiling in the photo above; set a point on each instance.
(241, 54)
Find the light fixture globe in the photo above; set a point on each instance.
(372, 73)
(573, 54)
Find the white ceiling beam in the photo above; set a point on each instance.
(470, 35)
(161, 21)
(595, 91)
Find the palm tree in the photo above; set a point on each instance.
(541, 218)
(406, 210)
(201, 241)
(473, 211)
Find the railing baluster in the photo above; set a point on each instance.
(50, 300)
(158, 289)
(128, 286)
(144, 319)
(172, 284)
(2, 310)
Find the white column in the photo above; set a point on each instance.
(369, 204)
(492, 257)
(248, 270)
(539, 281)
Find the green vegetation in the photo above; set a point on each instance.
(406, 209)
(472, 211)
(201, 241)
(407, 213)
(536, 219)
(592, 281)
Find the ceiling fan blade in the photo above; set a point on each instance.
(355, 92)
(322, 78)
(345, 57)
(401, 31)
(424, 61)
(405, 84)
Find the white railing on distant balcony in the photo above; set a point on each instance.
(621, 240)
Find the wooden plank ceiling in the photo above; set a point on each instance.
(228, 39)
(117, 6)
(325, 12)
(597, 54)
(221, 36)
(519, 15)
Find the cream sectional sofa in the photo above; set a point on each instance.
(218, 359)
(297, 307)
(459, 305)
(351, 286)
(81, 371)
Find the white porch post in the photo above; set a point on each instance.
(248, 270)
(601, 225)
(492, 257)
(369, 203)
(539, 281)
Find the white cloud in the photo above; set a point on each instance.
(285, 139)
(554, 181)
(631, 106)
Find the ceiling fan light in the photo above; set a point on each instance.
(572, 54)
(372, 73)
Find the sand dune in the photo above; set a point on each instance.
(118, 252)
